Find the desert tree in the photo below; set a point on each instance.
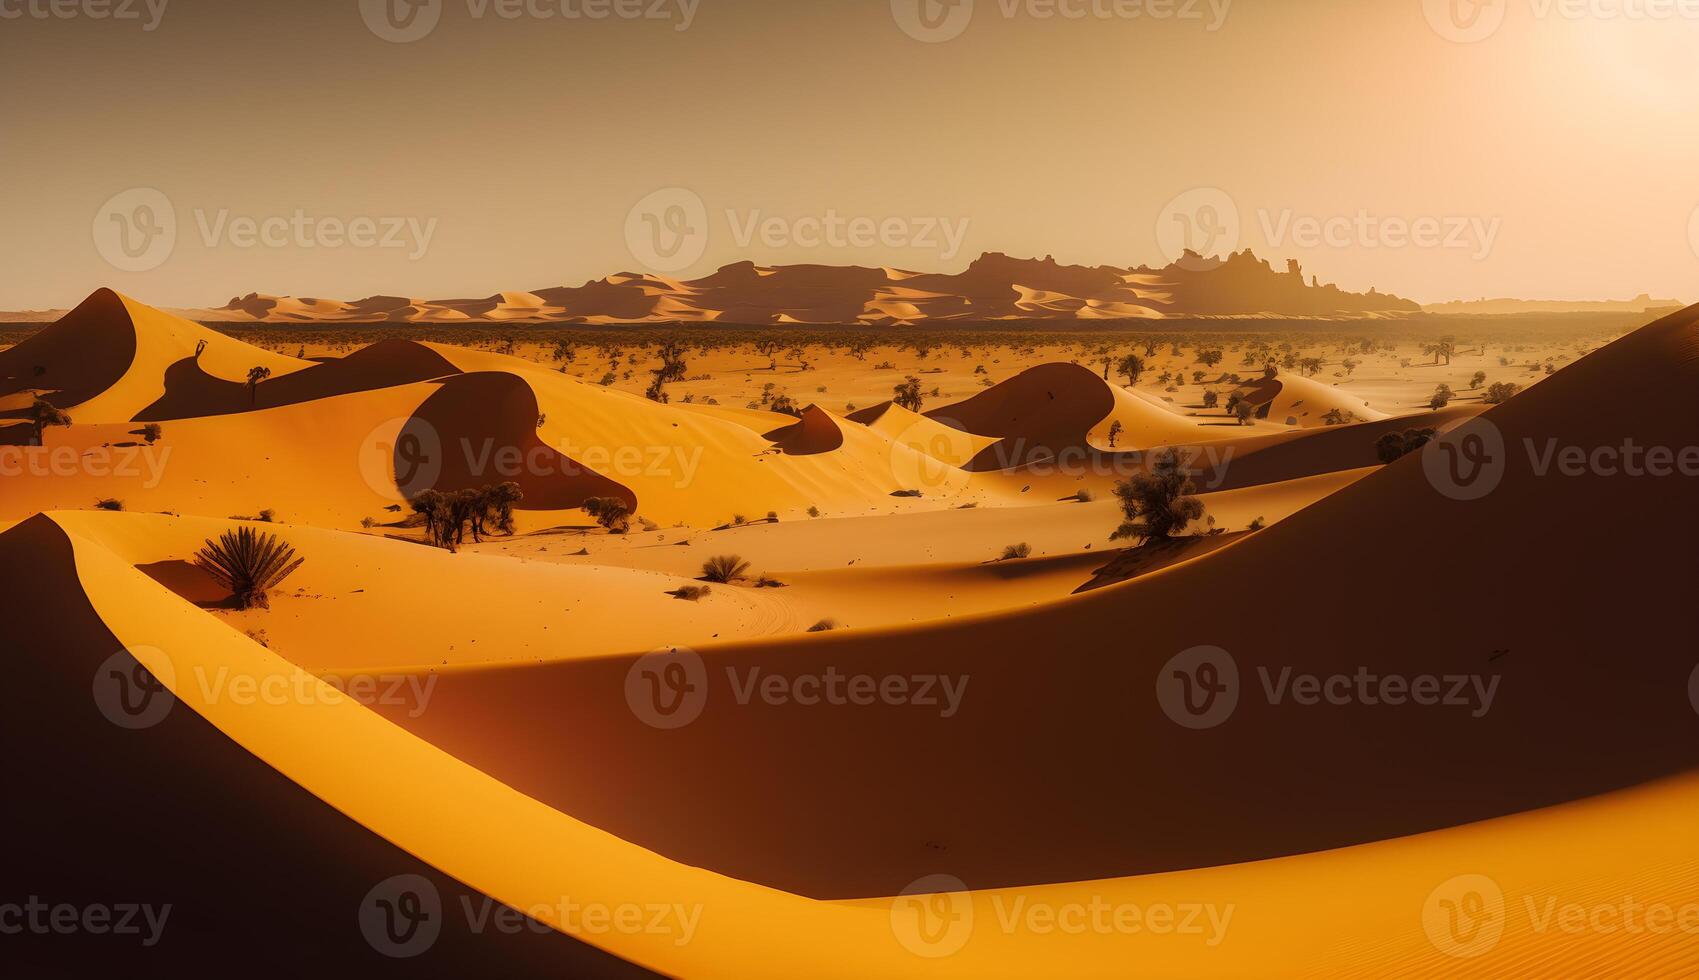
(1211, 398)
(1478, 380)
(44, 415)
(249, 564)
(1244, 412)
(908, 394)
(1115, 429)
(255, 376)
(1159, 504)
(1131, 367)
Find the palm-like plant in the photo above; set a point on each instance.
(249, 564)
(724, 568)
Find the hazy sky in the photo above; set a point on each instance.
(204, 148)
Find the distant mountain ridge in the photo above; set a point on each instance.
(994, 287)
(1644, 303)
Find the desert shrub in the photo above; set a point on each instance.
(249, 564)
(724, 568)
(609, 512)
(813, 512)
(765, 582)
(691, 593)
(152, 432)
(109, 503)
(1500, 392)
(1258, 524)
(1160, 504)
(824, 626)
(1394, 446)
(1015, 552)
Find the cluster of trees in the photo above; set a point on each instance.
(450, 516)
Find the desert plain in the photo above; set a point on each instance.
(814, 650)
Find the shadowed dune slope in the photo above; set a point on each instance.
(485, 427)
(192, 393)
(108, 360)
(85, 353)
(814, 433)
(250, 863)
(1060, 764)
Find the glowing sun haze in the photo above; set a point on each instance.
(1553, 158)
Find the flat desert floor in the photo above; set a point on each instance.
(938, 720)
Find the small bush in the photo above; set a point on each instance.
(610, 512)
(1015, 552)
(691, 593)
(824, 626)
(724, 568)
(109, 503)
